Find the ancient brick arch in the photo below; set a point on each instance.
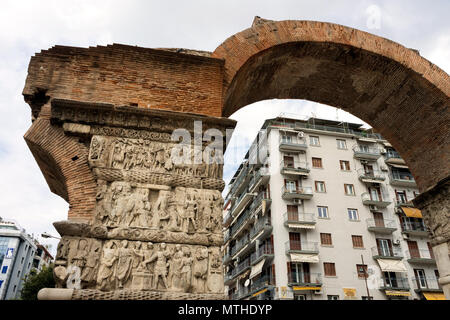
(401, 94)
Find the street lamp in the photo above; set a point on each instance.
(47, 235)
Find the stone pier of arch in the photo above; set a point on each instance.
(101, 125)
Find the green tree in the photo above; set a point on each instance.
(35, 281)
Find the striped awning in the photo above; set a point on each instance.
(412, 212)
(259, 292)
(389, 265)
(397, 293)
(297, 288)
(371, 180)
(304, 257)
(256, 269)
(301, 226)
(434, 296)
(400, 166)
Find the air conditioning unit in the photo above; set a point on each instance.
(396, 242)
(383, 151)
(297, 201)
(373, 208)
(301, 134)
(383, 168)
(405, 236)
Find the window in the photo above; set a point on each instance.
(291, 186)
(4, 269)
(292, 212)
(1, 282)
(317, 162)
(401, 196)
(329, 269)
(314, 141)
(345, 165)
(357, 241)
(15, 287)
(341, 144)
(286, 139)
(361, 269)
(21, 262)
(353, 214)
(333, 297)
(322, 212)
(320, 186)
(18, 273)
(325, 239)
(349, 189)
(421, 280)
(299, 296)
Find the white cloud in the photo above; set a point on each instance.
(29, 26)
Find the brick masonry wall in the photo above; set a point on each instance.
(127, 75)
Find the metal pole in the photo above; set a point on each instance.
(365, 278)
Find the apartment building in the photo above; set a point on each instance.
(17, 251)
(320, 210)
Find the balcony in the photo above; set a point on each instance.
(372, 176)
(372, 200)
(264, 252)
(297, 220)
(304, 280)
(393, 157)
(296, 168)
(292, 144)
(227, 219)
(261, 283)
(295, 246)
(396, 283)
(261, 229)
(415, 228)
(426, 284)
(240, 244)
(258, 202)
(402, 179)
(393, 253)
(241, 293)
(241, 203)
(382, 226)
(261, 177)
(420, 257)
(227, 235)
(241, 223)
(402, 203)
(240, 181)
(366, 153)
(304, 193)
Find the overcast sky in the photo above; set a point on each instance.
(26, 27)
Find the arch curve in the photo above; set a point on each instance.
(401, 94)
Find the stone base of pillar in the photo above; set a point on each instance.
(73, 294)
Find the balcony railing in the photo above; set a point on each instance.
(265, 250)
(397, 283)
(241, 243)
(261, 175)
(379, 201)
(402, 203)
(258, 201)
(390, 252)
(426, 284)
(299, 218)
(261, 224)
(296, 193)
(386, 226)
(361, 152)
(402, 179)
(415, 228)
(243, 218)
(393, 155)
(304, 279)
(262, 282)
(241, 293)
(420, 256)
(301, 246)
(294, 167)
(292, 144)
(370, 176)
(240, 178)
(227, 218)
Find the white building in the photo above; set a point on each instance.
(322, 210)
(17, 250)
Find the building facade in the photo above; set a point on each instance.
(17, 251)
(322, 210)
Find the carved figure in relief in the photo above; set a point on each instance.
(106, 270)
(103, 207)
(200, 269)
(140, 209)
(90, 267)
(79, 259)
(174, 277)
(161, 265)
(148, 254)
(186, 270)
(63, 249)
(97, 148)
(118, 155)
(123, 270)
